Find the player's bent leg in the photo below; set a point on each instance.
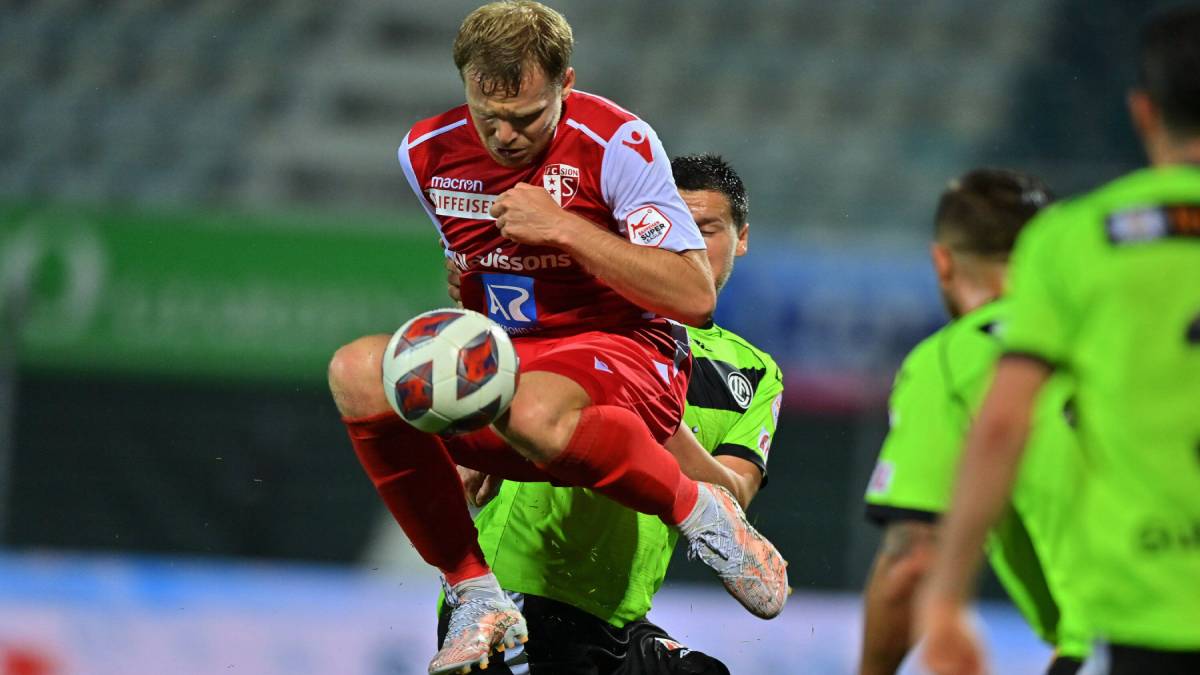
(356, 377)
(415, 476)
(613, 451)
(486, 451)
(543, 415)
(604, 447)
(410, 469)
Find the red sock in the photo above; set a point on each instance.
(415, 476)
(614, 453)
(485, 451)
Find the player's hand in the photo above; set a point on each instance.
(951, 645)
(527, 214)
(480, 488)
(453, 282)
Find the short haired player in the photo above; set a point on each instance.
(560, 210)
(1106, 288)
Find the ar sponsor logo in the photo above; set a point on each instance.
(510, 300)
(524, 263)
(562, 182)
(647, 226)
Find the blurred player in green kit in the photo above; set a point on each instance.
(1106, 288)
(584, 569)
(937, 393)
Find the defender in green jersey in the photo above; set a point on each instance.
(936, 394)
(1106, 288)
(586, 597)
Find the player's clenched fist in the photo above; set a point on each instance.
(527, 214)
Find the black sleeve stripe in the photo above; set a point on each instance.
(709, 386)
(742, 452)
(1030, 356)
(883, 515)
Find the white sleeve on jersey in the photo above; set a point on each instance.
(636, 182)
(406, 164)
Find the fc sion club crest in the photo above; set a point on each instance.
(562, 182)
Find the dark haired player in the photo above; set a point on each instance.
(586, 597)
(558, 206)
(937, 393)
(1106, 288)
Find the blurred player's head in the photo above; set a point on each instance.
(1165, 105)
(717, 199)
(978, 219)
(515, 60)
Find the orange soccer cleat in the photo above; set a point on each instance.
(751, 567)
(482, 619)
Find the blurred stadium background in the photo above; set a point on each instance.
(199, 200)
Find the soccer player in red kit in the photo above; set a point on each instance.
(560, 210)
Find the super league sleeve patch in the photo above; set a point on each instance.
(1148, 224)
(647, 226)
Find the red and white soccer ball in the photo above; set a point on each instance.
(449, 371)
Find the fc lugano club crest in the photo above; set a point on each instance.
(562, 182)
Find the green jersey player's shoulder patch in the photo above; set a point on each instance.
(1144, 224)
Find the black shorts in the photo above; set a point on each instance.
(1125, 660)
(564, 640)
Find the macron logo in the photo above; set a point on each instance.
(464, 184)
(641, 145)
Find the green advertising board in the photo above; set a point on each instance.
(224, 296)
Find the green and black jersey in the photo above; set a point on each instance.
(1106, 287)
(577, 547)
(937, 392)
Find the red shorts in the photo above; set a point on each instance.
(643, 370)
(630, 370)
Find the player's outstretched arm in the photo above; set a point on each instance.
(904, 557)
(676, 285)
(699, 465)
(985, 480)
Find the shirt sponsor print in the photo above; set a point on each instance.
(462, 204)
(510, 300)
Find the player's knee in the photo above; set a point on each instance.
(538, 428)
(355, 377)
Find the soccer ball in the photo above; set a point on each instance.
(448, 371)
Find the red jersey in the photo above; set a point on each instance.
(603, 164)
